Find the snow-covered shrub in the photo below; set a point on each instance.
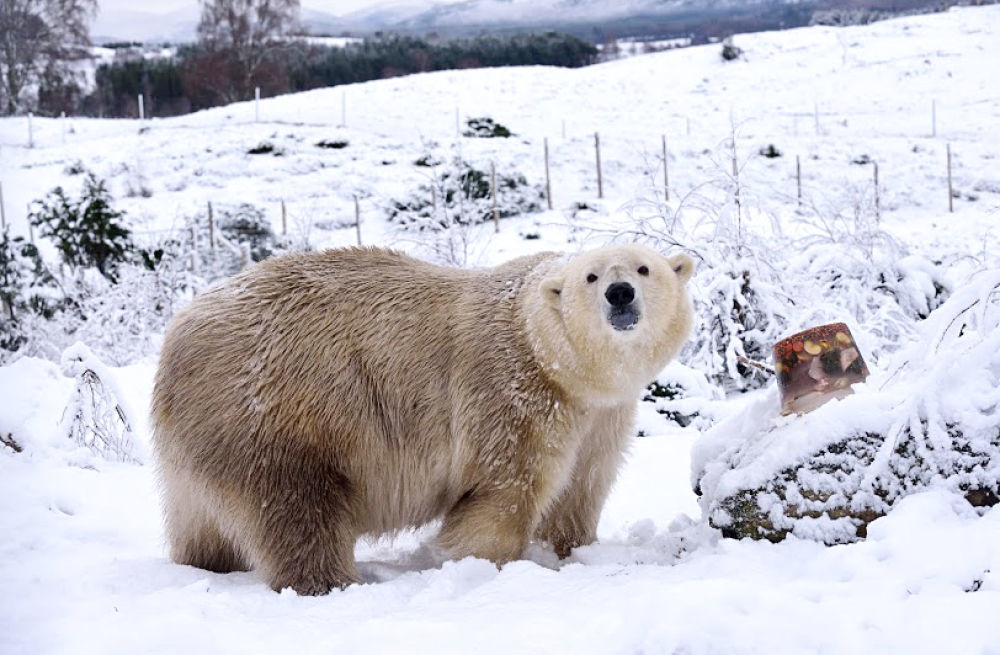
(86, 231)
(242, 236)
(246, 223)
(11, 288)
(119, 318)
(682, 395)
(29, 296)
(439, 214)
(485, 128)
(266, 148)
(94, 417)
(136, 182)
(462, 194)
(931, 420)
(742, 310)
(730, 51)
(769, 151)
(122, 322)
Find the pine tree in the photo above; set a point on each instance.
(86, 232)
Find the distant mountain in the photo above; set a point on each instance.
(480, 12)
(600, 20)
(595, 20)
(147, 26)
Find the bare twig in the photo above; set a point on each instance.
(761, 366)
(10, 443)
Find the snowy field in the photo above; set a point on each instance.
(83, 567)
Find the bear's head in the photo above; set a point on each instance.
(604, 323)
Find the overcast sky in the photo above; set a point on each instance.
(335, 7)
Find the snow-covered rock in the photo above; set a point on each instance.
(931, 421)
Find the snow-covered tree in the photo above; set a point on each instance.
(37, 38)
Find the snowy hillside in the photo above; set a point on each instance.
(83, 566)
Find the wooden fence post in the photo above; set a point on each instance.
(493, 183)
(194, 249)
(284, 219)
(666, 175)
(878, 209)
(951, 207)
(211, 229)
(736, 194)
(142, 109)
(357, 218)
(798, 178)
(597, 150)
(256, 104)
(548, 180)
(31, 131)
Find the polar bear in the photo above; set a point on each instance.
(319, 397)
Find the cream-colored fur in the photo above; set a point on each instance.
(319, 397)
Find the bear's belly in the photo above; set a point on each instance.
(409, 489)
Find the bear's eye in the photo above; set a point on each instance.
(643, 270)
(591, 278)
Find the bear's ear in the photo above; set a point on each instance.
(551, 290)
(683, 266)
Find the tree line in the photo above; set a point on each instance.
(241, 45)
(199, 77)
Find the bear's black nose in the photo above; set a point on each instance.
(620, 294)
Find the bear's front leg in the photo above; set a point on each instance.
(572, 518)
(493, 522)
(497, 517)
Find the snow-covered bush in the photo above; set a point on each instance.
(742, 311)
(94, 417)
(485, 128)
(930, 420)
(462, 194)
(247, 224)
(86, 231)
(11, 288)
(730, 51)
(438, 215)
(266, 148)
(332, 144)
(136, 182)
(683, 395)
(120, 318)
(242, 235)
(123, 322)
(29, 296)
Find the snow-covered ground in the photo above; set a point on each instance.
(82, 561)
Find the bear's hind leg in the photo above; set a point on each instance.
(195, 538)
(306, 532)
